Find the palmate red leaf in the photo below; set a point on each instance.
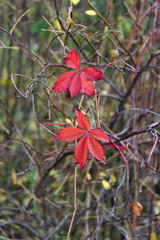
(100, 135)
(63, 82)
(76, 82)
(69, 134)
(87, 86)
(81, 120)
(92, 74)
(71, 59)
(81, 152)
(75, 86)
(87, 142)
(95, 148)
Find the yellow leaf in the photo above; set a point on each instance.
(113, 179)
(53, 173)
(26, 201)
(106, 184)
(57, 25)
(2, 198)
(157, 207)
(153, 236)
(89, 177)
(68, 120)
(75, 2)
(14, 177)
(70, 21)
(70, 179)
(69, 18)
(113, 55)
(56, 185)
(5, 80)
(90, 12)
(102, 174)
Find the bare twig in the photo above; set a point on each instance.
(114, 34)
(75, 201)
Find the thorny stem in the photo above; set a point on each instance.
(75, 201)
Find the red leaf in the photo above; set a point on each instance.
(87, 86)
(100, 135)
(63, 82)
(95, 148)
(75, 86)
(71, 59)
(81, 152)
(69, 134)
(92, 74)
(81, 120)
(82, 81)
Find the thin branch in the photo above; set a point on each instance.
(24, 226)
(114, 34)
(75, 201)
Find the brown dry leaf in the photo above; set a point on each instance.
(136, 210)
